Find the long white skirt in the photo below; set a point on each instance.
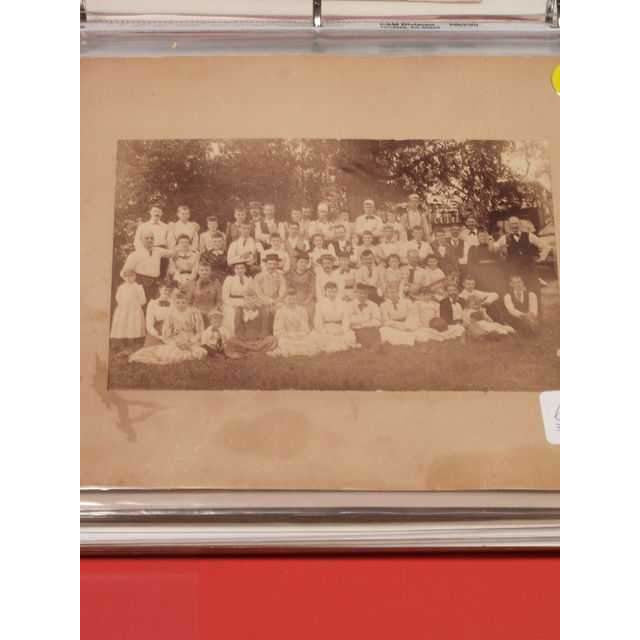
(336, 339)
(300, 345)
(128, 322)
(426, 334)
(397, 336)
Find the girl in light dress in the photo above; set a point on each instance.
(128, 318)
(431, 327)
(157, 312)
(291, 329)
(399, 320)
(181, 333)
(332, 322)
(479, 324)
(394, 278)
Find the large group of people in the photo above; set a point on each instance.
(323, 283)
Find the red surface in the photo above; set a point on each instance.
(304, 598)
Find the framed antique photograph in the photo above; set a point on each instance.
(320, 302)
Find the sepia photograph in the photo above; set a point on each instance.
(356, 265)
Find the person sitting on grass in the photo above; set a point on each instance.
(291, 330)
(522, 307)
(214, 337)
(157, 312)
(252, 330)
(365, 319)
(479, 324)
(331, 321)
(128, 325)
(431, 327)
(181, 333)
(399, 320)
(451, 306)
(489, 299)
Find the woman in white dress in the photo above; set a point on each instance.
(181, 333)
(128, 318)
(332, 321)
(157, 312)
(291, 329)
(399, 320)
(234, 290)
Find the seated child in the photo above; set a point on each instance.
(331, 321)
(365, 319)
(399, 320)
(292, 331)
(478, 322)
(214, 337)
(522, 307)
(157, 312)
(128, 318)
(181, 333)
(430, 325)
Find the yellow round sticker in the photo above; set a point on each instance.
(555, 79)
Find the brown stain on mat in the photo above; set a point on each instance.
(279, 433)
(111, 399)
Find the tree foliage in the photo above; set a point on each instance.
(211, 176)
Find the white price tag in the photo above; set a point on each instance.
(550, 405)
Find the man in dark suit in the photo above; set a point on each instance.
(443, 251)
(451, 306)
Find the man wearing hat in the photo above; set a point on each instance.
(270, 287)
(369, 221)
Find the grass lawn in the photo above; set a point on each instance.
(512, 363)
